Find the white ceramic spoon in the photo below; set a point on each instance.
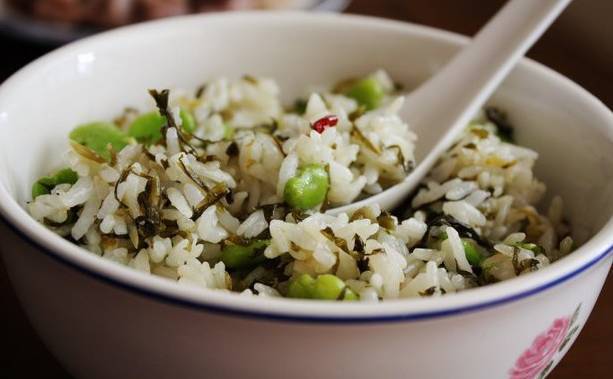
(440, 108)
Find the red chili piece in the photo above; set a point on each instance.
(324, 123)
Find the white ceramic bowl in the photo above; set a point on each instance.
(105, 321)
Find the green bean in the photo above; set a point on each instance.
(237, 256)
(98, 136)
(367, 92)
(308, 188)
(45, 184)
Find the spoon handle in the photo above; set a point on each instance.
(446, 103)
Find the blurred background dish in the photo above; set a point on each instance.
(61, 21)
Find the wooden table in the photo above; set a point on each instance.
(23, 354)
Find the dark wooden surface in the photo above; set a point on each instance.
(23, 354)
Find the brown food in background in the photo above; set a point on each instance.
(108, 13)
(151, 9)
(61, 10)
(111, 12)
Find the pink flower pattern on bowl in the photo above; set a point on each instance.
(538, 358)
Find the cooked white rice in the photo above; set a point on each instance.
(173, 209)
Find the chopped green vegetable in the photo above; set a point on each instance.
(357, 113)
(367, 92)
(99, 136)
(472, 254)
(300, 106)
(325, 287)
(504, 130)
(462, 229)
(228, 132)
(237, 256)
(308, 188)
(45, 184)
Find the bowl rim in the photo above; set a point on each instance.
(156, 288)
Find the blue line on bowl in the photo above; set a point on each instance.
(309, 319)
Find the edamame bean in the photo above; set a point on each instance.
(147, 127)
(473, 255)
(98, 136)
(330, 287)
(39, 189)
(301, 287)
(325, 287)
(188, 123)
(307, 189)
(367, 92)
(66, 175)
(349, 295)
(45, 184)
(237, 256)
